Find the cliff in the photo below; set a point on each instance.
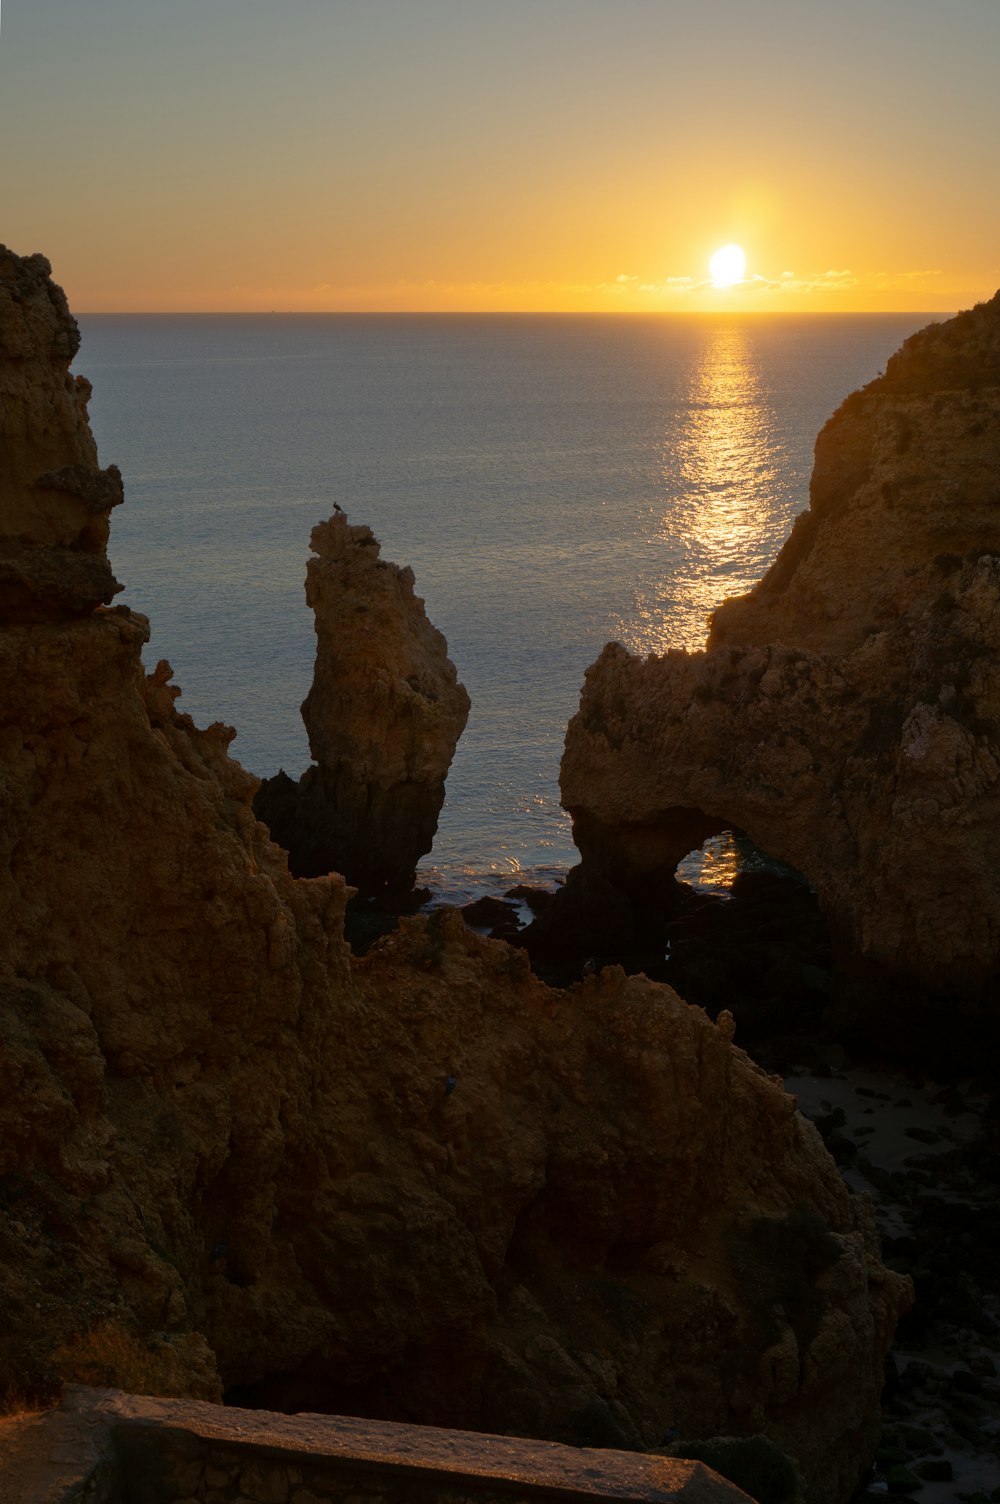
(384, 716)
(418, 1185)
(844, 714)
(54, 498)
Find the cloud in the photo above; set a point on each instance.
(670, 284)
(832, 280)
(893, 279)
(622, 290)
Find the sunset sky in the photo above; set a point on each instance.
(530, 154)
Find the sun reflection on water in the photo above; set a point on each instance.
(716, 523)
(715, 866)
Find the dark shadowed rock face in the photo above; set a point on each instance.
(54, 500)
(384, 715)
(846, 713)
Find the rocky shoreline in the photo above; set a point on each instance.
(844, 714)
(425, 1182)
(922, 1141)
(929, 1156)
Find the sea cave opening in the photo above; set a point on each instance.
(726, 858)
(748, 935)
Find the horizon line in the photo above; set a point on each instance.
(503, 313)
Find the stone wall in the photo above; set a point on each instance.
(105, 1447)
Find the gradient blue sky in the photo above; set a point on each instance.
(353, 154)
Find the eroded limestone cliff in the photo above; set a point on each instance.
(55, 498)
(384, 716)
(846, 713)
(418, 1184)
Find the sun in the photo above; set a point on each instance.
(728, 266)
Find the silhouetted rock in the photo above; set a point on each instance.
(485, 913)
(54, 500)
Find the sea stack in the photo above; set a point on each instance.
(846, 713)
(384, 716)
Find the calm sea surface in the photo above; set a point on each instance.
(554, 481)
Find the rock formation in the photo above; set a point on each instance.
(419, 1184)
(384, 716)
(845, 713)
(54, 500)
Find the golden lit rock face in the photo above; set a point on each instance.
(54, 499)
(905, 471)
(846, 713)
(418, 1184)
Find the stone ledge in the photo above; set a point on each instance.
(102, 1446)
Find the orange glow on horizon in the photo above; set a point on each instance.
(315, 158)
(834, 290)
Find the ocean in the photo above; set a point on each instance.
(554, 481)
